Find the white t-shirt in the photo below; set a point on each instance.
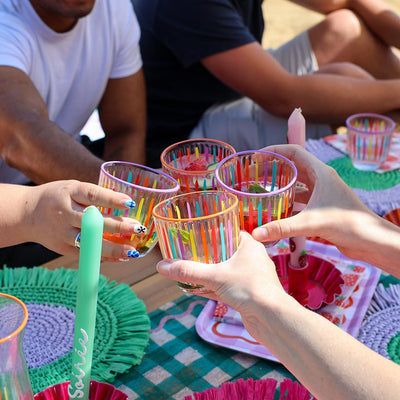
(70, 70)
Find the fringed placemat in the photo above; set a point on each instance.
(380, 330)
(122, 324)
(380, 192)
(367, 180)
(263, 389)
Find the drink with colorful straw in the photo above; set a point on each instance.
(192, 162)
(146, 187)
(264, 183)
(198, 226)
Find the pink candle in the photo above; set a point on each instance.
(297, 135)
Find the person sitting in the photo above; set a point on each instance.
(58, 63)
(327, 360)
(207, 75)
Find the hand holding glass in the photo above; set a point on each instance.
(264, 183)
(146, 187)
(198, 226)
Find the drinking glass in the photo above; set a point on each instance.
(146, 187)
(368, 140)
(192, 162)
(14, 378)
(264, 183)
(199, 226)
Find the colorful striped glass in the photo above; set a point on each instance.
(264, 183)
(198, 226)
(146, 187)
(192, 162)
(368, 140)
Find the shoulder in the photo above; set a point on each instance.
(119, 13)
(15, 33)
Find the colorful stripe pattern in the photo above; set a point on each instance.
(175, 161)
(200, 226)
(264, 185)
(369, 140)
(147, 188)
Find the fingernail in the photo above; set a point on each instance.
(124, 259)
(137, 228)
(130, 204)
(164, 266)
(259, 233)
(133, 254)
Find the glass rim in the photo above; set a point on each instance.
(374, 115)
(257, 195)
(182, 171)
(24, 321)
(203, 193)
(144, 167)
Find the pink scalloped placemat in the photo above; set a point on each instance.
(347, 311)
(393, 159)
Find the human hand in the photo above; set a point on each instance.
(56, 211)
(244, 281)
(333, 211)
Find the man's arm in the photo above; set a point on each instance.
(122, 113)
(328, 98)
(33, 144)
(376, 14)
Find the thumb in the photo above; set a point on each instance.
(187, 271)
(299, 225)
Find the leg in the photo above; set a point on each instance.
(246, 126)
(343, 37)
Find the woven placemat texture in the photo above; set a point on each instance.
(367, 180)
(380, 329)
(380, 192)
(122, 324)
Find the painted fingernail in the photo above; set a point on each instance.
(130, 204)
(133, 254)
(139, 228)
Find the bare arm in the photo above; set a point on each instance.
(122, 114)
(328, 361)
(376, 14)
(335, 213)
(327, 98)
(51, 214)
(33, 144)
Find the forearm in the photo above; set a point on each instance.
(330, 98)
(321, 355)
(15, 209)
(378, 243)
(44, 153)
(126, 147)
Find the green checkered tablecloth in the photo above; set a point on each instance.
(178, 362)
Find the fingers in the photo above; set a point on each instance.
(123, 225)
(302, 224)
(188, 271)
(90, 194)
(118, 252)
(210, 275)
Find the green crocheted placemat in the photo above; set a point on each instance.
(122, 324)
(367, 180)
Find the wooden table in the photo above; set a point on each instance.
(140, 274)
